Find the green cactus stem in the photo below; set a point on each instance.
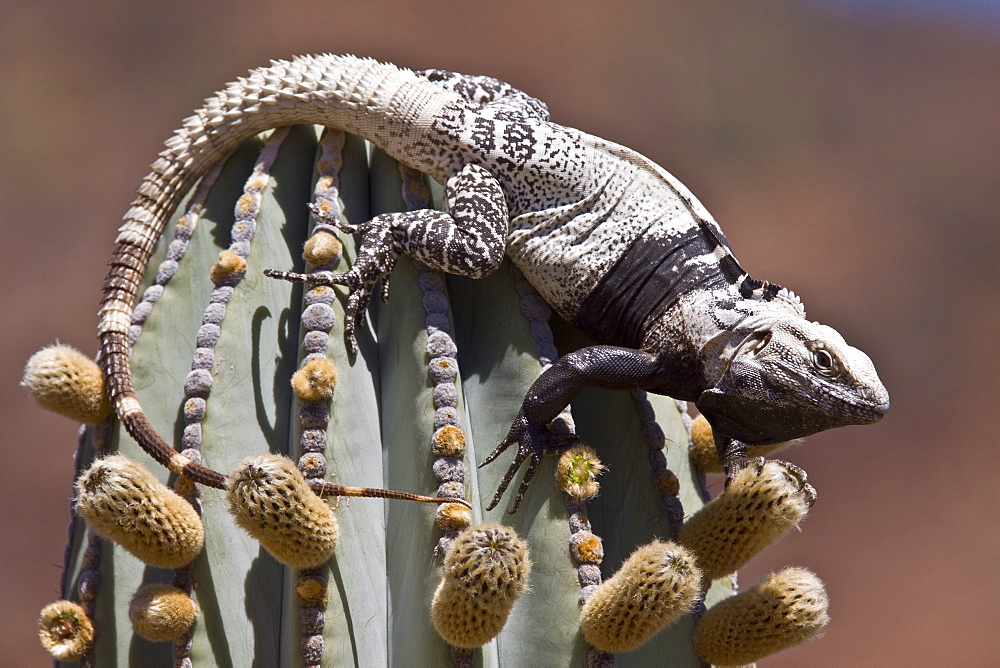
(440, 373)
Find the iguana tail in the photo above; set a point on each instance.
(379, 102)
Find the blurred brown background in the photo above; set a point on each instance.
(851, 154)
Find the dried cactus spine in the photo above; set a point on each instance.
(783, 610)
(577, 471)
(704, 453)
(65, 631)
(759, 506)
(161, 612)
(272, 502)
(125, 503)
(657, 584)
(485, 572)
(65, 381)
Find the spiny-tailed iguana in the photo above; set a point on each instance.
(615, 244)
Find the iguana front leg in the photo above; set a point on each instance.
(467, 239)
(608, 367)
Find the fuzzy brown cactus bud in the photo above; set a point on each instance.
(322, 248)
(65, 631)
(657, 584)
(783, 610)
(315, 381)
(161, 612)
(758, 507)
(272, 502)
(228, 267)
(124, 502)
(485, 572)
(65, 381)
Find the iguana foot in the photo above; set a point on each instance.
(376, 259)
(534, 440)
(799, 475)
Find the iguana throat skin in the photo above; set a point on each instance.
(613, 242)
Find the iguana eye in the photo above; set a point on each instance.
(764, 340)
(823, 362)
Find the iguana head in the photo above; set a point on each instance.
(788, 378)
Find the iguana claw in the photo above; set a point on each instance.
(533, 441)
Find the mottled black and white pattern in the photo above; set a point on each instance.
(613, 242)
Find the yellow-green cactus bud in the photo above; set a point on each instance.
(64, 380)
(228, 265)
(783, 610)
(124, 502)
(703, 451)
(452, 516)
(322, 248)
(485, 572)
(272, 502)
(758, 507)
(652, 589)
(161, 612)
(577, 471)
(65, 631)
(315, 381)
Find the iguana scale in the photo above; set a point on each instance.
(614, 243)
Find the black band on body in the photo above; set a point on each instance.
(648, 279)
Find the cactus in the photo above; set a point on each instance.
(231, 364)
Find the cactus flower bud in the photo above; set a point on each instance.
(657, 584)
(272, 502)
(758, 507)
(161, 612)
(124, 502)
(65, 631)
(485, 572)
(65, 381)
(782, 610)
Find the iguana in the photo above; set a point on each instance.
(614, 243)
